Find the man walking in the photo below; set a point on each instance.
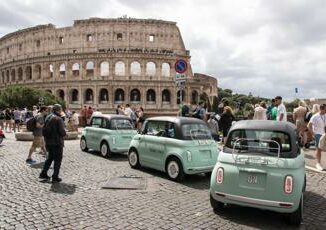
(317, 126)
(53, 132)
(38, 141)
(281, 110)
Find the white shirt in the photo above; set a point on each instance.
(318, 123)
(128, 111)
(281, 110)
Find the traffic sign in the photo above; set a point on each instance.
(180, 66)
(180, 77)
(181, 84)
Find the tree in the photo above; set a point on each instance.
(23, 96)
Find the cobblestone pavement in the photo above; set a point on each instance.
(79, 202)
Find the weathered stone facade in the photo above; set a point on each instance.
(103, 63)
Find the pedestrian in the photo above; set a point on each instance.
(212, 124)
(17, 119)
(9, 118)
(299, 115)
(54, 133)
(200, 111)
(315, 109)
(281, 110)
(226, 120)
(89, 113)
(2, 119)
(128, 111)
(317, 126)
(260, 112)
(82, 116)
(38, 140)
(75, 120)
(141, 118)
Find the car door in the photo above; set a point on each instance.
(93, 131)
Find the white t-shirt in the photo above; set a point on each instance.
(281, 110)
(128, 111)
(318, 123)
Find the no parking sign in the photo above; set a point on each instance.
(180, 66)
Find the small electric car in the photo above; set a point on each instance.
(175, 145)
(261, 166)
(108, 134)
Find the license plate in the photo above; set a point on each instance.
(252, 179)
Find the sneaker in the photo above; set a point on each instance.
(44, 176)
(30, 161)
(56, 180)
(318, 167)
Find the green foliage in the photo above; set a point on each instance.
(23, 96)
(291, 105)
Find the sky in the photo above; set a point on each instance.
(266, 47)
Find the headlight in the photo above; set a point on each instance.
(188, 155)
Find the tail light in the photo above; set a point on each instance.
(288, 184)
(220, 175)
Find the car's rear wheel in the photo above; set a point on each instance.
(216, 205)
(295, 218)
(174, 169)
(133, 159)
(105, 150)
(83, 144)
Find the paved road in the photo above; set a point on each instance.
(79, 202)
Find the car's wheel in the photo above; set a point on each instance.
(174, 169)
(216, 205)
(295, 218)
(83, 144)
(105, 150)
(133, 159)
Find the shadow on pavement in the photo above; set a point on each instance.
(115, 156)
(37, 165)
(63, 188)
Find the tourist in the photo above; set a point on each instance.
(54, 133)
(140, 115)
(281, 110)
(74, 120)
(82, 116)
(317, 126)
(200, 111)
(212, 124)
(38, 140)
(260, 112)
(9, 120)
(35, 110)
(2, 119)
(17, 119)
(299, 115)
(89, 113)
(315, 109)
(128, 111)
(226, 120)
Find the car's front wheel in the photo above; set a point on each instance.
(133, 159)
(174, 169)
(105, 150)
(216, 205)
(83, 144)
(295, 218)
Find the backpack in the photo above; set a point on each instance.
(31, 124)
(46, 131)
(308, 116)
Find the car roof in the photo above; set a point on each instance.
(178, 120)
(280, 126)
(110, 116)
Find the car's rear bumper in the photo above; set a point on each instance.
(278, 206)
(196, 170)
(120, 149)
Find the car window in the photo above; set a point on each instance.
(195, 131)
(96, 122)
(261, 141)
(155, 128)
(105, 123)
(121, 124)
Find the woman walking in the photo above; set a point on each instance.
(226, 121)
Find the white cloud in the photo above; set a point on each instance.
(264, 47)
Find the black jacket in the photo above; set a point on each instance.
(55, 130)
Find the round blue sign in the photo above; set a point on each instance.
(180, 66)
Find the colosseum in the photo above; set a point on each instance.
(104, 63)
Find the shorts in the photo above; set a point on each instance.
(317, 138)
(38, 142)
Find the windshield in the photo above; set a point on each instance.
(121, 124)
(258, 141)
(195, 131)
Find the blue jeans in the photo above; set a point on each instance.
(317, 138)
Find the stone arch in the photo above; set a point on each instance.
(166, 96)
(74, 96)
(194, 97)
(13, 75)
(89, 68)
(150, 96)
(37, 71)
(3, 77)
(105, 68)
(150, 69)
(135, 69)
(104, 95)
(75, 69)
(51, 71)
(119, 68)
(49, 91)
(28, 73)
(119, 95)
(166, 69)
(62, 70)
(89, 95)
(20, 74)
(61, 94)
(135, 96)
(179, 96)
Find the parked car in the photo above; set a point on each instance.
(261, 166)
(2, 136)
(175, 145)
(108, 134)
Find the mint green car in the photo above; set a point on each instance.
(261, 166)
(108, 134)
(175, 145)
